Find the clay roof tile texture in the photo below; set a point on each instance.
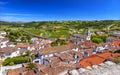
(55, 49)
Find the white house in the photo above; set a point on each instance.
(24, 46)
(51, 51)
(3, 42)
(3, 33)
(10, 44)
(8, 52)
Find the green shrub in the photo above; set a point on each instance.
(15, 60)
(11, 63)
(97, 40)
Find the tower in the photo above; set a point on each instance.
(88, 34)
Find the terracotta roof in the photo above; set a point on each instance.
(16, 71)
(116, 43)
(22, 45)
(65, 56)
(49, 69)
(53, 59)
(69, 56)
(57, 68)
(24, 70)
(96, 59)
(55, 49)
(4, 39)
(8, 49)
(31, 72)
(91, 60)
(88, 43)
(105, 55)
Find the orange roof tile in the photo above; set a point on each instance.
(116, 43)
(91, 60)
(96, 59)
(88, 44)
(105, 55)
(55, 49)
(22, 45)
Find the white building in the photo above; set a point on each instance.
(3, 33)
(3, 42)
(8, 52)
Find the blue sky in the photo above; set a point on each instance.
(45, 10)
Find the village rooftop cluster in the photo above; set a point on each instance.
(78, 54)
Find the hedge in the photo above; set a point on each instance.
(15, 60)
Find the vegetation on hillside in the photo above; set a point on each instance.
(57, 29)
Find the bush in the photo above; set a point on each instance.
(11, 63)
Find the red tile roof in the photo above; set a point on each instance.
(55, 49)
(96, 59)
(116, 43)
(88, 43)
(91, 60)
(22, 45)
(16, 71)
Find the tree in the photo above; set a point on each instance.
(103, 38)
(97, 40)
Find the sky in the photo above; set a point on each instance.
(52, 10)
